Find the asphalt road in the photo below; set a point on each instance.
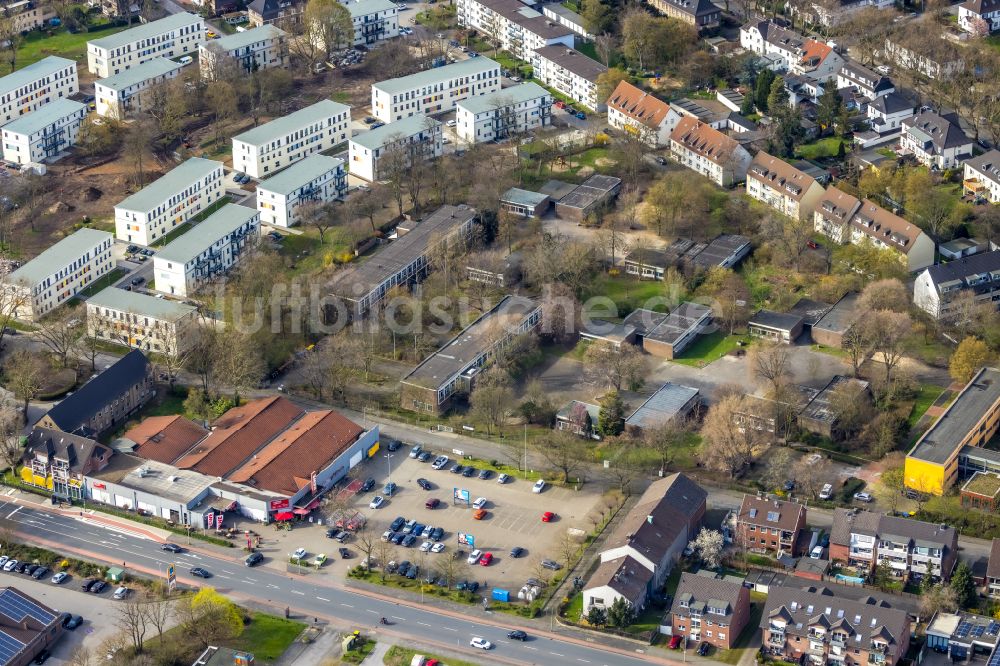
(341, 606)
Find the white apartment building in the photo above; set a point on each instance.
(783, 187)
(981, 176)
(374, 20)
(938, 287)
(571, 73)
(709, 152)
(255, 49)
(512, 25)
(863, 81)
(498, 115)
(59, 273)
(127, 92)
(567, 18)
(434, 90)
(283, 141)
(43, 134)
(971, 12)
(141, 321)
(778, 45)
(32, 87)
(316, 178)
(169, 201)
(935, 140)
(640, 114)
(419, 136)
(170, 37)
(206, 252)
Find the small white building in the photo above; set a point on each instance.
(783, 187)
(981, 176)
(936, 288)
(275, 145)
(971, 12)
(170, 37)
(374, 20)
(35, 85)
(316, 178)
(127, 92)
(141, 321)
(252, 50)
(709, 152)
(434, 90)
(44, 134)
(498, 115)
(885, 117)
(571, 73)
(59, 273)
(169, 201)
(208, 251)
(418, 136)
(863, 82)
(567, 18)
(640, 114)
(513, 25)
(934, 140)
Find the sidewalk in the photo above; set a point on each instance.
(377, 656)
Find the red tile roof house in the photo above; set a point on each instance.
(767, 525)
(642, 550)
(709, 609)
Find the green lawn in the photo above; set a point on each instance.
(832, 351)
(820, 149)
(756, 611)
(574, 608)
(267, 636)
(38, 45)
(186, 227)
(171, 403)
(993, 41)
(649, 620)
(361, 650)
(627, 293)
(925, 398)
(400, 656)
(709, 348)
(103, 282)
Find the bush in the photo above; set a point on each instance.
(851, 486)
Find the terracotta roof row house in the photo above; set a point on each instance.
(783, 187)
(713, 610)
(709, 152)
(639, 113)
(764, 524)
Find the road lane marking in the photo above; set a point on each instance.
(294, 591)
(528, 647)
(449, 629)
(424, 624)
(13, 512)
(556, 654)
(322, 599)
(396, 617)
(252, 580)
(583, 660)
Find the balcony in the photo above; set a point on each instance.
(776, 639)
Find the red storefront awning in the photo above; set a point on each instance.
(284, 515)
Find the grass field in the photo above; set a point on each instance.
(820, 149)
(711, 347)
(103, 282)
(267, 636)
(627, 293)
(38, 45)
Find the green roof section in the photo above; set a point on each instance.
(285, 125)
(469, 67)
(139, 73)
(58, 256)
(224, 221)
(522, 92)
(239, 40)
(300, 173)
(32, 72)
(407, 127)
(169, 184)
(138, 303)
(366, 7)
(45, 116)
(147, 31)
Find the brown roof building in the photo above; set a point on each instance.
(993, 570)
(26, 627)
(770, 525)
(165, 438)
(889, 231)
(707, 609)
(833, 214)
(639, 113)
(783, 187)
(58, 461)
(706, 150)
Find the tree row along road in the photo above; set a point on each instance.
(313, 598)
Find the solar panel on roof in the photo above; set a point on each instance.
(772, 516)
(993, 628)
(963, 629)
(978, 631)
(994, 658)
(16, 607)
(9, 647)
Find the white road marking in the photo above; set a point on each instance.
(221, 576)
(252, 580)
(556, 654)
(367, 609)
(322, 599)
(528, 647)
(424, 624)
(396, 617)
(13, 512)
(583, 660)
(449, 629)
(296, 592)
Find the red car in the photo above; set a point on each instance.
(548, 516)
(675, 642)
(560, 104)
(486, 559)
(432, 503)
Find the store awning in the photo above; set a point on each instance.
(284, 515)
(298, 511)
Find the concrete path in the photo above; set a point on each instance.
(377, 656)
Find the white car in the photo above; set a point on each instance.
(426, 546)
(451, 123)
(474, 557)
(10, 565)
(479, 503)
(481, 643)
(299, 554)
(121, 593)
(445, 140)
(3, 560)
(60, 577)
(539, 486)
(816, 553)
(439, 462)
(827, 492)
(437, 548)
(503, 478)
(376, 502)
(186, 60)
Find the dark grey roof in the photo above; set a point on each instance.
(987, 164)
(777, 320)
(723, 249)
(780, 36)
(680, 322)
(891, 103)
(961, 269)
(75, 449)
(861, 620)
(938, 443)
(910, 604)
(712, 592)
(811, 311)
(853, 521)
(841, 316)
(863, 76)
(774, 513)
(270, 9)
(643, 320)
(667, 403)
(980, 7)
(572, 60)
(74, 412)
(693, 8)
(943, 130)
(625, 575)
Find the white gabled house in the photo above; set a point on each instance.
(974, 15)
(783, 187)
(981, 177)
(709, 152)
(640, 114)
(935, 141)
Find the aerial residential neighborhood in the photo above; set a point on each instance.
(499, 331)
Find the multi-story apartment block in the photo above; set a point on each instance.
(283, 13)
(778, 45)
(702, 14)
(206, 252)
(783, 187)
(59, 273)
(58, 461)
(252, 50)
(374, 20)
(170, 37)
(571, 73)
(769, 525)
(834, 213)
(169, 201)
(976, 16)
(712, 610)
(130, 91)
(513, 26)
(911, 548)
(937, 288)
(815, 628)
(935, 140)
(863, 81)
(32, 87)
(952, 448)
(499, 115)
(284, 141)
(640, 114)
(982, 176)
(709, 152)
(316, 178)
(43, 134)
(434, 90)
(412, 140)
(141, 321)
(26, 15)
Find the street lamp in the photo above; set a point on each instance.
(388, 465)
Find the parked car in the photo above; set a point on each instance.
(60, 578)
(42, 657)
(397, 524)
(863, 497)
(367, 485)
(479, 514)
(703, 649)
(485, 474)
(457, 468)
(486, 559)
(662, 161)
(397, 538)
(424, 484)
(516, 552)
(415, 451)
(121, 592)
(426, 546)
(539, 486)
(409, 540)
(548, 516)
(675, 642)
(376, 502)
(71, 622)
(503, 478)
(394, 445)
(253, 559)
(826, 492)
(479, 503)
(816, 553)
(425, 456)
(439, 462)
(474, 556)
(30, 569)
(98, 587)
(432, 503)
(437, 548)
(87, 584)
(437, 533)
(552, 565)
(469, 472)
(390, 488)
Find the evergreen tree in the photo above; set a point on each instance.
(964, 586)
(747, 107)
(777, 97)
(829, 109)
(611, 418)
(621, 614)
(597, 617)
(762, 88)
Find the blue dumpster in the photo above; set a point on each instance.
(500, 595)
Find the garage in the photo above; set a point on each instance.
(147, 507)
(356, 459)
(123, 502)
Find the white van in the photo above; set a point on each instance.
(827, 492)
